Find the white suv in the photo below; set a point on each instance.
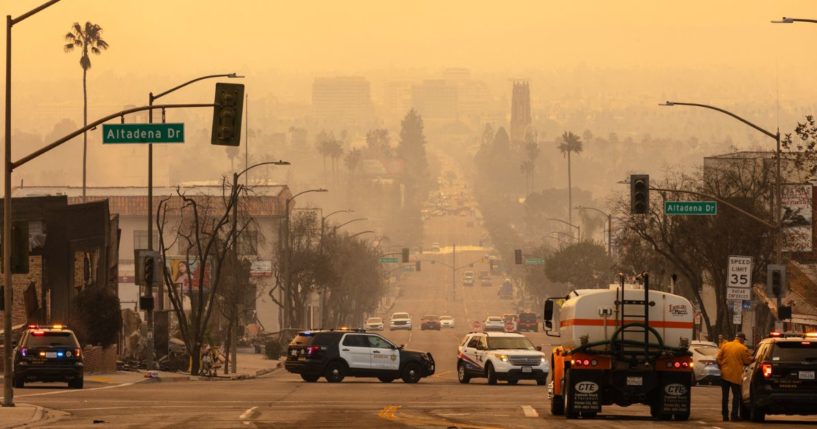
(500, 356)
(400, 321)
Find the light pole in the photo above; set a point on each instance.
(8, 392)
(335, 230)
(578, 228)
(787, 20)
(287, 271)
(776, 137)
(368, 231)
(149, 287)
(323, 220)
(609, 227)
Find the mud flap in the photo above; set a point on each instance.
(674, 395)
(584, 392)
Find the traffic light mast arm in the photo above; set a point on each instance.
(466, 265)
(93, 125)
(720, 200)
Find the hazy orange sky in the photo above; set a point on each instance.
(697, 44)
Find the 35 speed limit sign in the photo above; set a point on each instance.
(739, 278)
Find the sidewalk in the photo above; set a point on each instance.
(19, 415)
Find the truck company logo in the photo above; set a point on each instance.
(675, 389)
(587, 387)
(678, 310)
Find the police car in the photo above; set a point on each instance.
(48, 353)
(336, 354)
(782, 379)
(500, 356)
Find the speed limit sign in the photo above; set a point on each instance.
(739, 278)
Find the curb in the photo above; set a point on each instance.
(231, 377)
(41, 414)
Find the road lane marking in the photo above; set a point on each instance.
(249, 414)
(57, 392)
(390, 413)
(529, 411)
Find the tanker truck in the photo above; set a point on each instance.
(623, 345)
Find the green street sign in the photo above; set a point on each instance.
(142, 133)
(389, 260)
(534, 261)
(695, 208)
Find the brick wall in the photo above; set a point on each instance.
(98, 360)
(21, 282)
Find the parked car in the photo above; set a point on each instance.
(527, 322)
(782, 379)
(493, 323)
(337, 354)
(374, 324)
(705, 362)
(400, 321)
(48, 353)
(500, 356)
(446, 321)
(430, 322)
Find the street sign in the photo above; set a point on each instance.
(388, 260)
(534, 261)
(690, 207)
(738, 294)
(737, 312)
(739, 278)
(142, 133)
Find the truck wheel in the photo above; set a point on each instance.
(462, 374)
(491, 374)
(557, 405)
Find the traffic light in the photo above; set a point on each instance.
(784, 312)
(149, 268)
(405, 254)
(417, 266)
(639, 193)
(776, 280)
(517, 256)
(229, 103)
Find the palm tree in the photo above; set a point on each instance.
(532, 152)
(570, 143)
(88, 38)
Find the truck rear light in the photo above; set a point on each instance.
(766, 369)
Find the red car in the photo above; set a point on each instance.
(527, 322)
(430, 322)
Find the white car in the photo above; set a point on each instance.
(446, 321)
(400, 321)
(705, 362)
(493, 323)
(500, 356)
(374, 324)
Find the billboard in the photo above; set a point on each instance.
(187, 274)
(797, 218)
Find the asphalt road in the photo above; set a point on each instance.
(282, 400)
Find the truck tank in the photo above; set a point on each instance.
(591, 316)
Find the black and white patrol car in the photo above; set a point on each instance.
(336, 354)
(500, 356)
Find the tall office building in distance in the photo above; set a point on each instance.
(520, 111)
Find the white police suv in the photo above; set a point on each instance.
(500, 356)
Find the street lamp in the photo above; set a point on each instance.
(609, 227)
(335, 230)
(578, 228)
(8, 391)
(287, 273)
(369, 231)
(323, 219)
(776, 137)
(787, 20)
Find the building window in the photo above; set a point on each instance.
(248, 243)
(140, 239)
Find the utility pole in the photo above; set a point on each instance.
(454, 272)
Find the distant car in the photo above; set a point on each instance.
(510, 322)
(400, 321)
(48, 353)
(484, 275)
(468, 281)
(493, 323)
(446, 321)
(486, 282)
(435, 247)
(468, 274)
(374, 324)
(430, 322)
(705, 363)
(527, 322)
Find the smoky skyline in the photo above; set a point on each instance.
(592, 65)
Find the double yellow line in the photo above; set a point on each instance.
(390, 413)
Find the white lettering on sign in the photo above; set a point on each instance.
(675, 389)
(587, 387)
